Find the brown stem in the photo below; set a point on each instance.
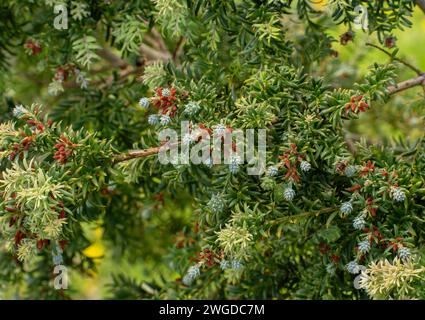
(407, 64)
(407, 84)
(136, 154)
(153, 54)
(303, 215)
(421, 4)
(177, 49)
(152, 42)
(159, 40)
(140, 153)
(123, 75)
(114, 60)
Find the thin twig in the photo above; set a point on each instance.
(153, 54)
(302, 215)
(407, 84)
(159, 40)
(136, 154)
(142, 153)
(114, 60)
(102, 83)
(407, 64)
(152, 42)
(177, 49)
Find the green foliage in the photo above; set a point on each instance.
(327, 209)
(51, 170)
(129, 34)
(84, 49)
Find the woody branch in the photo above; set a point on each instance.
(421, 4)
(154, 150)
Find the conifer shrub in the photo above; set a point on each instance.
(86, 86)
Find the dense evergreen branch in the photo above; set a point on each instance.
(294, 232)
(136, 154)
(404, 85)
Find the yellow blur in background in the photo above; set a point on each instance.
(96, 250)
